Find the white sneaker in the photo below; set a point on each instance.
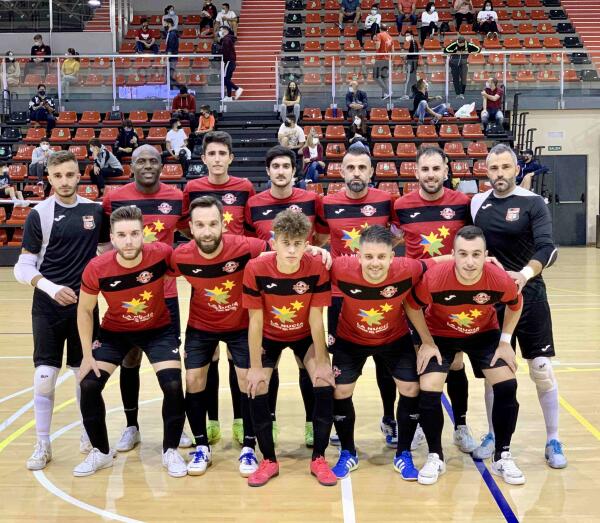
(185, 442)
(94, 461)
(463, 439)
(248, 462)
(238, 93)
(85, 445)
(227, 99)
(508, 469)
(486, 448)
(129, 439)
(334, 439)
(432, 469)
(174, 463)
(418, 438)
(42, 455)
(201, 460)
(405, 97)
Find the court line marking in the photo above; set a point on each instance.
(15, 394)
(487, 477)
(590, 427)
(348, 500)
(581, 293)
(15, 357)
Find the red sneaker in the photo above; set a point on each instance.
(320, 469)
(267, 469)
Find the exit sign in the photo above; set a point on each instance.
(554, 148)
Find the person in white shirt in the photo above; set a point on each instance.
(170, 13)
(176, 145)
(371, 26)
(487, 20)
(292, 136)
(429, 21)
(226, 17)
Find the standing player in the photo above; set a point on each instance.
(162, 209)
(428, 219)
(285, 293)
(261, 210)
(518, 228)
(460, 296)
(61, 235)
(131, 279)
(345, 214)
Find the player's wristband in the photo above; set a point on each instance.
(505, 337)
(51, 289)
(527, 272)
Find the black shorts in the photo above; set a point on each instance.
(416, 339)
(480, 348)
(173, 306)
(272, 350)
(534, 330)
(53, 325)
(348, 18)
(398, 357)
(158, 345)
(381, 69)
(333, 316)
(200, 347)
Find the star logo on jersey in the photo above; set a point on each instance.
(227, 218)
(230, 266)
(481, 298)
(300, 287)
(432, 244)
(218, 294)
(368, 210)
(444, 231)
(512, 214)
(374, 316)
(144, 277)
(284, 314)
(165, 208)
(463, 319)
(475, 313)
(351, 239)
(138, 305)
(229, 198)
(447, 213)
(389, 291)
(297, 305)
(151, 230)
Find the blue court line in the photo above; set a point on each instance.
(487, 477)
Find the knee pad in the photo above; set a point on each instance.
(170, 381)
(44, 380)
(505, 390)
(540, 371)
(92, 383)
(430, 400)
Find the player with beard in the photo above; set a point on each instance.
(162, 209)
(131, 279)
(428, 219)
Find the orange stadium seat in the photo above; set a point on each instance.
(460, 168)
(88, 191)
(472, 130)
(381, 132)
(312, 114)
(329, 115)
(404, 132)
(334, 170)
(19, 215)
(408, 169)
(406, 150)
(400, 114)
(426, 131)
(378, 114)
(80, 151)
(171, 171)
(335, 151)
(60, 135)
(386, 169)
(24, 153)
(157, 135)
(83, 135)
(391, 187)
(108, 134)
(18, 172)
(410, 187)
(335, 133)
(480, 169)
(34, 135)
(383, 150)
(477, 150)
(332, 188)
(317, 129)
(454, 150)
(66, 119)
(449, 131)
(90, 118)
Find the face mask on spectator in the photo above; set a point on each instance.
(350, 89)
(373, 11)
(357, 121)
(222, 33)
(432, 9)
(172, 11)
(42, 92)
(315, 141)
(45, 146)
(488, 85)
(37, 42)
(408, 37)
(488, 7)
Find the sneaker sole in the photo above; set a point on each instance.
(85, 474)
(405, 479)
(264, 483)
(248, 474)
(481, 457)
(510, 481)
(466, 450)
(554, 466)
(35, 467)
(325, 483)
(127, 449)
(391, 444)
(192, 472)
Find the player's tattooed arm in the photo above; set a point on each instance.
(85, 325)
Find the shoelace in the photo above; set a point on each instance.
(487, 439)
(38, 450)
(321, 463)
(248, 458)
(556, 446)
(407, 458)
(510, 467)
(198, 455)
(91, 457)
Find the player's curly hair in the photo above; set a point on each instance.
(291, 224)
(125, 214)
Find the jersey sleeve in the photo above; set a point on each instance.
(418, 268)
(89, 279)
(322, 293)
(104, 229)
(248, 223)
(420, 296)
(106, 204)
(252, 297)
(541, 226)
(395, 209)
(511, 296)
(320, 224)
(257, 246)
(32, 233)
(172, 267)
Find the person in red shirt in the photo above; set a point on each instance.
(183, 106)
(406, 9)
(492, 97)
(459, 297)
(285, 293)
(144, 41)
(162, 208)
(131, 279)
(384, 44)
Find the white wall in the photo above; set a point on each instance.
(182, 6)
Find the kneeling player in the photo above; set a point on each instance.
(460, 297)
(131, 280)
(285, 293)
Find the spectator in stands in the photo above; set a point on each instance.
(184, 106)
(492, 97)
(170, 13)
(39, 50)
(411, 64)
(106, 164)
(349, 13)
(172, 39)
(407, 9)
(126, 142)
(39, 159)
(460, 50)
(359, 131)
(6, 189)
(13, 70)
(206, 124)
(429, 21)
(290, 104)
(176, 145)
(144, 41)
(384, 45)
(463, 12)
(421, 105)
(207, 17)
(229, 57)
(226, 17)
(356, 101)
(69, 72)
(371, 25)
(312, 155)
(42, 109)
(291, 135)
(487, 20)
(529, 169)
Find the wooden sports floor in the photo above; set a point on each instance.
(137, 488)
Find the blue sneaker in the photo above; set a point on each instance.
(486, 448)
(404, 465)
(346, 464)
(554, 454)
(389, 428)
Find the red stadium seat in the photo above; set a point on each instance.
(410, 187)
(381, 132)
(404, 132)
(334, 170)
(60, 135)
(138, 117)
(90, 118)
(108, 134)
(480, 169)
(477, 150)
(472, 130)
(171, 171)
(454, 150)
(312, 114)
(18, 172)
(80, 151)
(408, 169)
(335, 151)
(88, 191)
(391, 187)
(406, 150)
(426, 131)
(24, 153)
(512, 43)
(449, 131)
(34, 135)
(400, 114)
(378, 114)
(66, 119)
(19, 215)
(332, 188)
(83, 135)
(386, 169)
(383, 150)
(551, 42)
(160, 117)
(329, 115)
(460, 168)
(335, 133)
(318, 131)
(532, 42)
(157, 135)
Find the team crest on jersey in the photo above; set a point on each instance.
(144, 277)
(330, 340)
(512, 214)
(165, 208)
(481, 298)
(368, 210)
(294, 208)
(447, 213)
(229, 198)
(88, 222)
(300, 287)
(231, 266)
(336, 371)
(96, 344)
(389, 291)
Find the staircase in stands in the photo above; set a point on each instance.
(260, 35)
(584, 14)
(100, 22)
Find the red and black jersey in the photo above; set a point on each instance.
(162, 210)
(429, 227)
(455, 310)
(286, 299)
(136, 295)
(263, 207)
(216, 303)
(345, 218)
(372, 313)
(234, 195)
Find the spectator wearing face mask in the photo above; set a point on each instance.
(40, 51)
(106, 164)
(421, 105)
(492, 103)
(43, 109)
(126, 142)
(359, 131)
(144, 41)
(207, 17)
(170, 14)
(460, 50)
(529, 169)
(6, 189)
(357, 102)
(290, 104)
(229, 57)
(371, 25)
(463, 12)
(13, 70)
(184, 106)
(312, 156)
(411, 64)
(487, 21)
(226, 17)
(69, 72)
(176, 145)
(39, 159)
(429, 21)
